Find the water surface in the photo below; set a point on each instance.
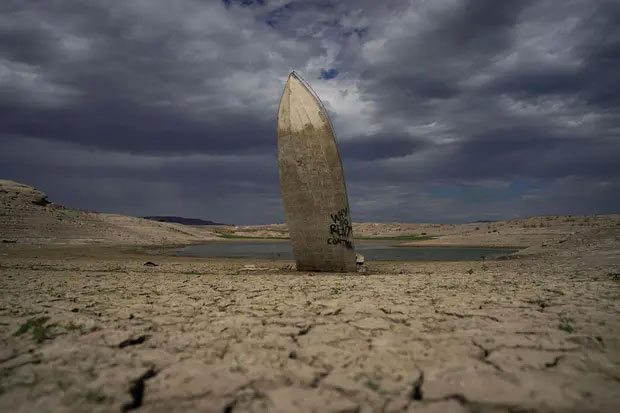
(372, 251)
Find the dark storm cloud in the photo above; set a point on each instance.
(533, 156)
(126, 126)
(379, 147)
(591, 78)
(443, 47)
(504, 114)
(152, 107)
(146, 78)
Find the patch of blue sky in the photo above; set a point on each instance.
(328, 74)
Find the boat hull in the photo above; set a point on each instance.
(312, 183)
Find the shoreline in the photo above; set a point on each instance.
(507, 247)
(161, 249)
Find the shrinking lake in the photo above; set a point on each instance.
(372, 251)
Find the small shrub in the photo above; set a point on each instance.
(40, 331)
(566, 324)
(372, 385)
(614, 275)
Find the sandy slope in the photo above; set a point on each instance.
(523, 232)
(27, 217)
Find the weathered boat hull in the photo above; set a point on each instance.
(312, 183)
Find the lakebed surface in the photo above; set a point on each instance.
(95, 329)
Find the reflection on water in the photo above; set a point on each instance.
(372, 251)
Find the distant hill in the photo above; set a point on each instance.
(181, 220)
(27, 216)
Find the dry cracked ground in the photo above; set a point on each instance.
(94, 329)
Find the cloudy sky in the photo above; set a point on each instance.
(445, 110)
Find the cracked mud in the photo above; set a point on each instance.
(534, 334)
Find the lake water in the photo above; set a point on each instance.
(372, 251)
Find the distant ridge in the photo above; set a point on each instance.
(181, 220)
(28, 217)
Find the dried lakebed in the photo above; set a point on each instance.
(372, 251)
(95, 330)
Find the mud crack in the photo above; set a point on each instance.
(305, 330)
(301, 332)
(475, 406)
(554, 362)
(484, 356)
(416, 392)
(318, 378)
(136, 390)
(133, 341)
(459, 315)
